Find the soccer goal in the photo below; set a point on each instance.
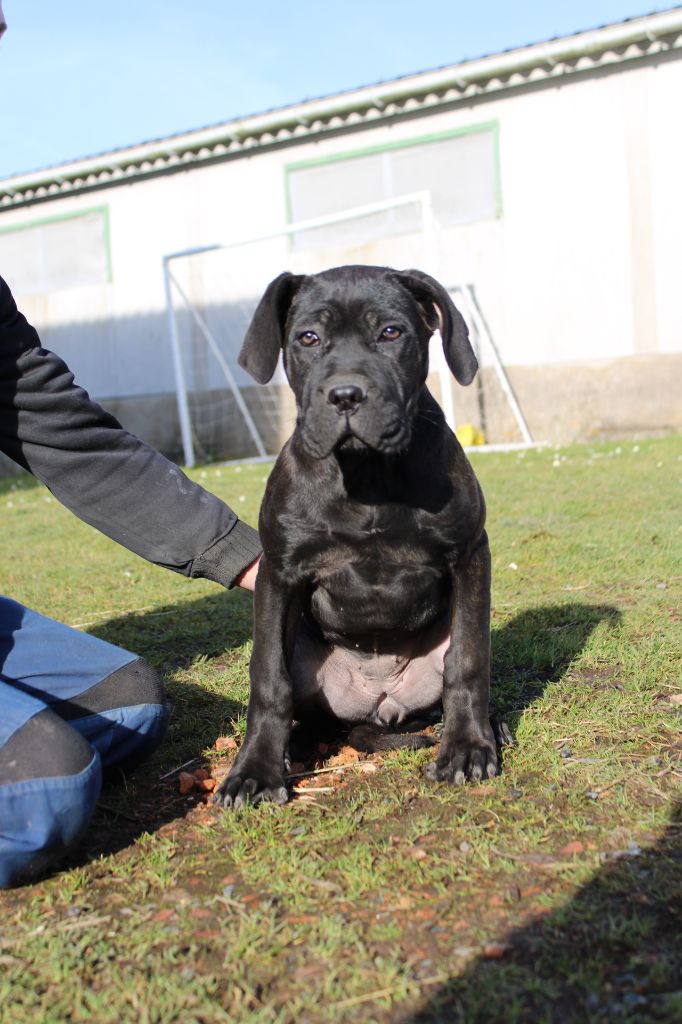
(212, 291)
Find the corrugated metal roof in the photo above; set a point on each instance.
(621, 42)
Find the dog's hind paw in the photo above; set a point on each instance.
(240, 789)
(504, 737)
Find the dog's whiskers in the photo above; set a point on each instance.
(429, 419)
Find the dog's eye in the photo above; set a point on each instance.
(390, 333)
(308, 338)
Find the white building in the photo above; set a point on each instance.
(555, 172)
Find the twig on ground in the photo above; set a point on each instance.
(178, 768)
(385, 993)
(315, 789)
(118, 613)
(114, 810)
(333, 768)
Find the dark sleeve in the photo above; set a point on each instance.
(105, 475)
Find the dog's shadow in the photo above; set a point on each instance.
(530, 652)
(535, 648)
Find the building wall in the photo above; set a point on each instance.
(577, 275)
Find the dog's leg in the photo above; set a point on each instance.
(467, 749)
(258, 772)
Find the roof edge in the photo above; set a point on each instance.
(618, 43)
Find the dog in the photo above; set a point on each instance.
(372, 601)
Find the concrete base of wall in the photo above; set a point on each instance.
(622, 398)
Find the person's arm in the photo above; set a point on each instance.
(107, 476)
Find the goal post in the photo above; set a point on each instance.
(212, 291)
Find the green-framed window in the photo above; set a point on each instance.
(460, 169)
(58, 252)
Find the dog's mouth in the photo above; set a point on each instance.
(392, 438)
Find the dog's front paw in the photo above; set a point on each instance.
(463, 761)
(250, 784)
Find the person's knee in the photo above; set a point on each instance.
(138, 683)
(44, 747)
(133, 685)
(125, 716)
(50, 779)
(143, 707)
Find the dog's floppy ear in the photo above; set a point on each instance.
(440, 313)
(263, 341)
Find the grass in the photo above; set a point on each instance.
(550, 894)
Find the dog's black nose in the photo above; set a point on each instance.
(346, 397)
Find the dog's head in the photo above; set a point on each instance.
(355, 346)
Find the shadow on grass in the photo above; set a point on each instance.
(172, 638)
(530, 651)
(613, 953)
(536, 648)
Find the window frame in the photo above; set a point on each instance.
(61, 217)
(380, 148)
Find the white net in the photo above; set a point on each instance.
(213, 292)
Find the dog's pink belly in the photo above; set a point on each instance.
(357, 686)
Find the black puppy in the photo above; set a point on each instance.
(373, 594)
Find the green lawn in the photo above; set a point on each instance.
(551, 893)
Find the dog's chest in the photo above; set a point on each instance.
(374, 573)
(365, 595)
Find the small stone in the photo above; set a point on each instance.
(186, 782)
(417, 853)
(225, 743)
(162, 915)
(347, 755)
(495, 950)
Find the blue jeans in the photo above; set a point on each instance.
(70, 705)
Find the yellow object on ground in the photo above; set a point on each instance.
(467, 435)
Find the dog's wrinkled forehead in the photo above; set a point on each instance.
(347, 295)
(416, 303)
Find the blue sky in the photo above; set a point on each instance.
(78, 77)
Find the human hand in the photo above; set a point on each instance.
(247, 580)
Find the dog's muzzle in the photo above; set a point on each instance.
(349, 408)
